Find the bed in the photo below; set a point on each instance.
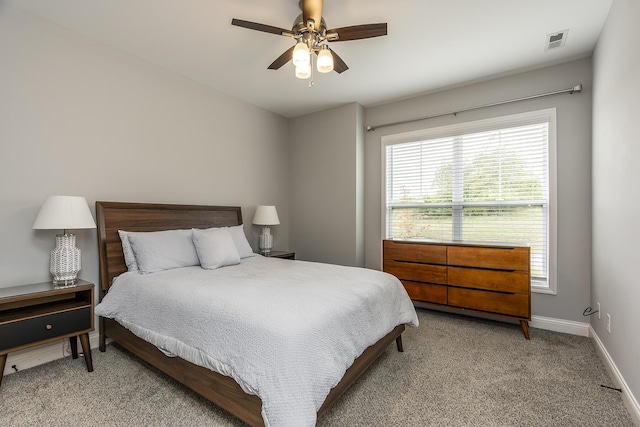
(225, 391)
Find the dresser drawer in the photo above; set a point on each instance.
(426, 292)
(493, 302)
(428, 254)
(484, 257)
(29, 330)
(417, 272)
(493, 280)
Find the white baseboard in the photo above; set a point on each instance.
(627, 396)
(45, 353)
(559, 325)
(585, 330)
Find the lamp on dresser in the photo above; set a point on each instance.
(266, 216)
(64, 213)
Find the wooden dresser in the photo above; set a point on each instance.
(486, 278)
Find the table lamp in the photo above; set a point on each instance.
(64, 212)
(266, 216)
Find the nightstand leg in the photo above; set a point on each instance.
(3, 361)
(86, 349)
(73, 342)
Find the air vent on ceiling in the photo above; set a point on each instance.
(555, 40)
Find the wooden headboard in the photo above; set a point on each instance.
(114, 216)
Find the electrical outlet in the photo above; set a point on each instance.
(608, 323)
(598, 311)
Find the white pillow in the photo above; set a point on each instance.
(240, 239)
(215, 248)
(163, 250)
(129, 257)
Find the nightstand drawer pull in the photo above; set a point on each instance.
(49, 327)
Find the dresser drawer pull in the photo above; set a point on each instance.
(49, 327)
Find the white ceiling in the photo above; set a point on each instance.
(432, 44)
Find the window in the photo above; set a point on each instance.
(488, 181)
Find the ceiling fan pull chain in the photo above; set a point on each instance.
(312, 70)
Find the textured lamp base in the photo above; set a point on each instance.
(65, 261)
(266, 240)
(58, 283)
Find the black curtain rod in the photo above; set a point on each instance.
(575, 89)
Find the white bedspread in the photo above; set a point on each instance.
(285, 330)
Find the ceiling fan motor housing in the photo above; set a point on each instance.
(306, 33)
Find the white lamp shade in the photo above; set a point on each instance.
(325, 60)
(64, 212)
(303, 71)
(266, 215)
(301, 54)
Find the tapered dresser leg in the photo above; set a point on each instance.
(525, 328)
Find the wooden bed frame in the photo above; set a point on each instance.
(219, 389)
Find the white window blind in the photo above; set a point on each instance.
(486, 183)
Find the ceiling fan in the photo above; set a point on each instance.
(312, 39)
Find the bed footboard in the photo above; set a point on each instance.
(224, 391)
(219, 389)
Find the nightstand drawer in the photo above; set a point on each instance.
(41, 328)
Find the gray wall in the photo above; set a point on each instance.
(616, 188)
(78, 118)
(327, 215)
(573, 164)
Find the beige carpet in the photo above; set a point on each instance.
(455, 371)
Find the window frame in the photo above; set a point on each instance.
(493, 123)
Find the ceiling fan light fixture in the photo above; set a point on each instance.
(312, 37)
(303, 71)
(301, 54)
(325, 60)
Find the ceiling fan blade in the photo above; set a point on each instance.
(338, 64)
(357, 32)
(282, 59)
(260, 27)
(312, 9)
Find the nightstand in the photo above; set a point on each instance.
(281, 254)
(40, 313)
